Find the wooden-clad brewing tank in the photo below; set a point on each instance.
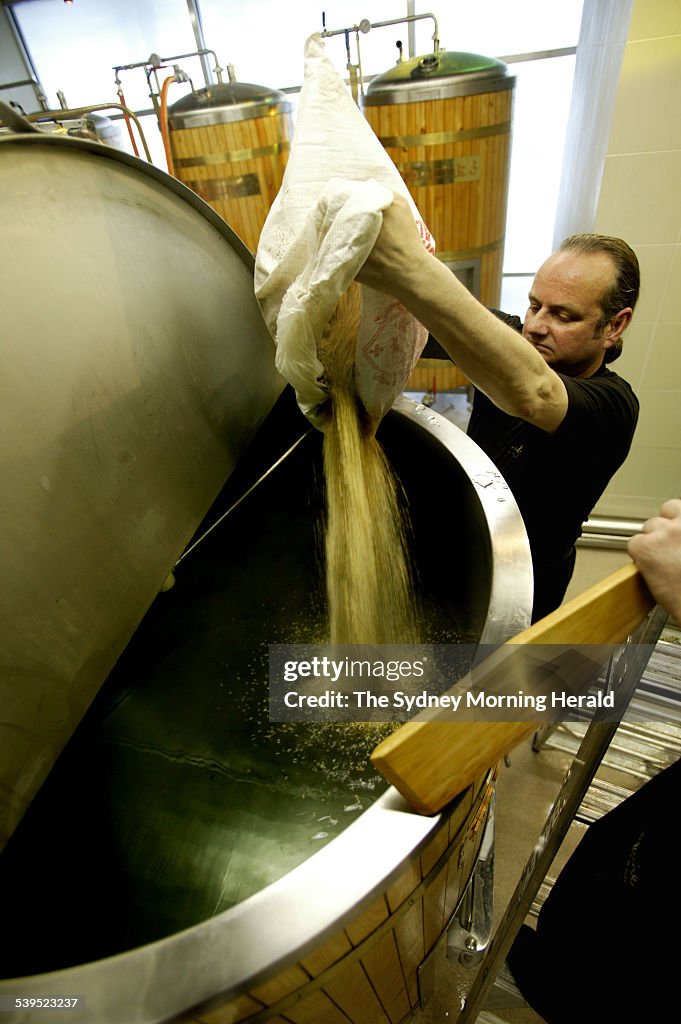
(230, 143)
(445, 120)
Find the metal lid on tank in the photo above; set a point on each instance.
(229, 101)
(438, 76)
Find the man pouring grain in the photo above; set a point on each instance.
(549, 413)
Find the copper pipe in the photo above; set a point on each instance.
(163, 119)
(128, 124)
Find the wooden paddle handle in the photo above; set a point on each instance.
(431, 762)
(606, 613)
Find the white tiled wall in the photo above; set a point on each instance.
(640, 200)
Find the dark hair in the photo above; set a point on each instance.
(624, 289)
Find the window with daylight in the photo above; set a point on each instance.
(74, 48)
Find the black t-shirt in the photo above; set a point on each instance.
(557, 478)
(606, 942)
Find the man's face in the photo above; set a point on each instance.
(562, 321)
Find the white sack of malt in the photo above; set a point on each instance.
(320, 230)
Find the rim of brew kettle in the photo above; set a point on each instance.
(227, 103)
(511, 593)
(222, 957)
(440, 75)
(219, 959)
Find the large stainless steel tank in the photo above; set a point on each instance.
(187, 859)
